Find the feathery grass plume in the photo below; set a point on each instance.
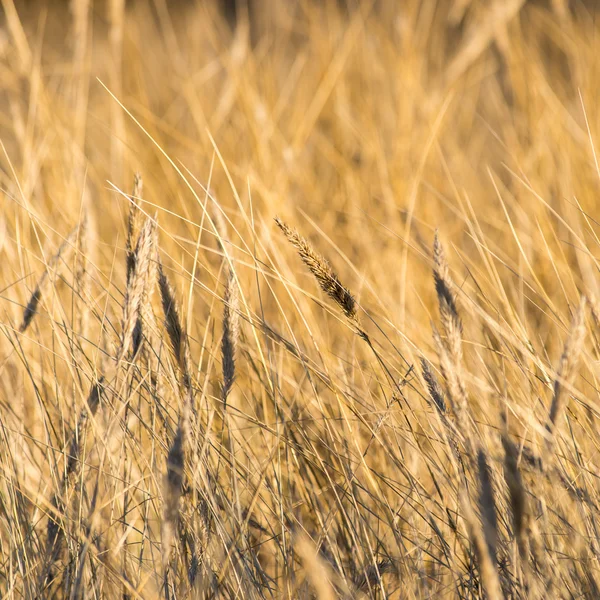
(436, 393)
(55, 534)
(566, 369)
(321, 269)
(231, 333)
(145, 255)
(173, 324)
(133, 224)
(444, 287)
(45, 280)
(487, 504)
(487, 570)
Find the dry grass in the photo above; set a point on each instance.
(185, 409)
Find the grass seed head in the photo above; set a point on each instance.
(174, 326)
(231, 334)
(54, 268)
(137, 286)
(444, 287)
(567, 367)
(322, 271)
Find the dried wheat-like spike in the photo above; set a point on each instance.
(231, 333)
(321, 269)
(44, 282)
(487, 569)
(32, 305)
(174, 480)
(487, 504)
(444, 287)
(198, 520)
(455, 386)
(90, 408)
(436, 393)
(518, 496)
(449, 348)
(133, 224)
(566, 369)
(145, 318)
(178, 449)
(145, 255)
(54, 534)
(173, 324)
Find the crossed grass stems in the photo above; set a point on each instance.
(145, 274)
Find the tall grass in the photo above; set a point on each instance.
(186, 409)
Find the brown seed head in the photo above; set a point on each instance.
(174, 326)
(436, 393)
(321, 269)
(444, 287)
(53, 269)
(231, 332)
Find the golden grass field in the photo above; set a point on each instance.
(340, 337)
